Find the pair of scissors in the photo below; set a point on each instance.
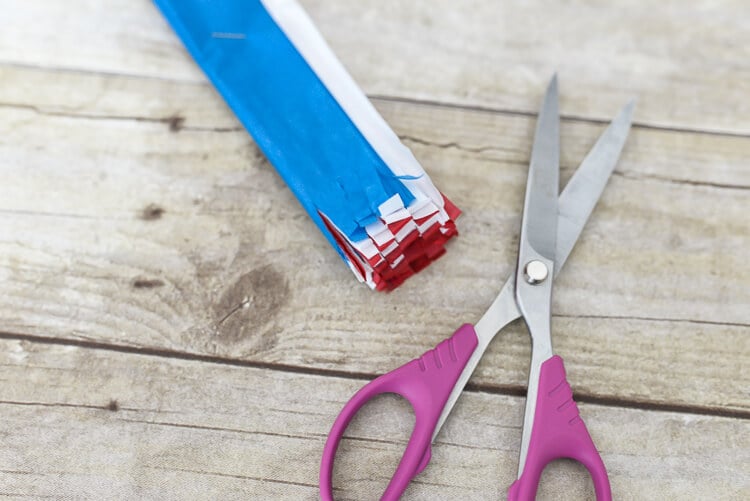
(552, 425)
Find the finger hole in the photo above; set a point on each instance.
(565, 479)
(371, 448)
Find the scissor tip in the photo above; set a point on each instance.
(627, 111)
(552, 88)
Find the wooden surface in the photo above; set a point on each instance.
(174, 327)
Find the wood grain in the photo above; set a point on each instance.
(187, 240)
(185, 429)
(686, 62)
(172, 326)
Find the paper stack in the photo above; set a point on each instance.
(361, 186)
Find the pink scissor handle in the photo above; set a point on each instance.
(426, 383)
(558, 432)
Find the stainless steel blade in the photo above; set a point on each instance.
(587, 184)
(534, 298)
(539, 225)
(575, 205)
(536, 250)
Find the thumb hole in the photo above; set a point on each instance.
(372, 447)
(565, 480)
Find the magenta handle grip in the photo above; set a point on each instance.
(558, 432)
(426, 383)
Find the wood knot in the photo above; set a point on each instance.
(152, 212)
(249, 306)
(147, 283)
(176, 123)
(113, 405)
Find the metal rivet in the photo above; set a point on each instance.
(536, 272)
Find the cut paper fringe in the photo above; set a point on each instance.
(395, 251)
(363, 188)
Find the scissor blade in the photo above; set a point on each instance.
(575, 204)
(539, 226)
(580, 195)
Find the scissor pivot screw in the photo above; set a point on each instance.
(536, 272)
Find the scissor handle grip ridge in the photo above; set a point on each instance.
(426, 383)
(558, 432)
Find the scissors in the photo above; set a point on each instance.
(552, 425)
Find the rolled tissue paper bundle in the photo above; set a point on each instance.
(363, 188)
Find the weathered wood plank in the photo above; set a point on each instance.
(690, 158)
(184, 429)
(135, 212)
(182, 221)
(687, 63)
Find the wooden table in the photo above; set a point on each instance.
(175, 327)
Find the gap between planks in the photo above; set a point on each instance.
(176, 124)
(563, 116)
(381, 97)
(506, 390)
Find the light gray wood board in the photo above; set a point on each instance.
(687, 62)
(679, 156)
(189, 429)
(652, 306)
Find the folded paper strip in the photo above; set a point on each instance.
(363, 188)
